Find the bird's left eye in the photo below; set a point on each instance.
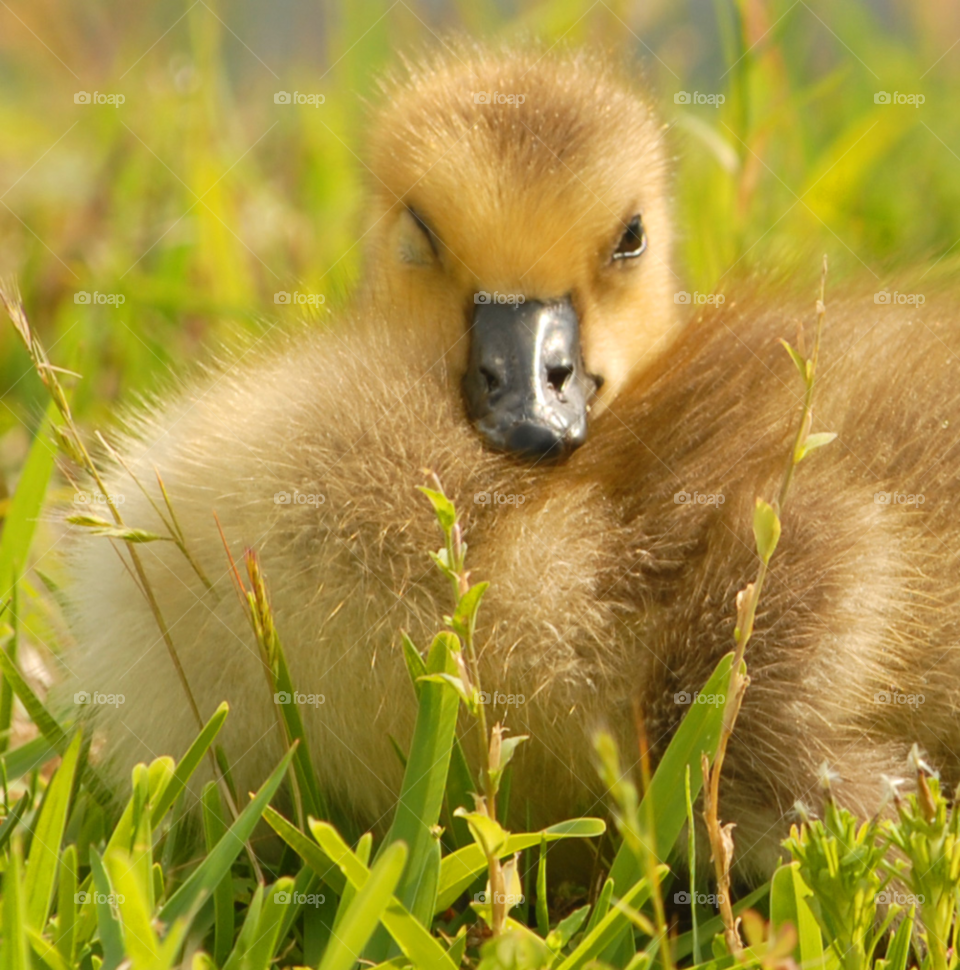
(633, 241)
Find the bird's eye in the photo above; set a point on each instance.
(425, 229)
(633, 241)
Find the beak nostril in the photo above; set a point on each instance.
(557, 377)
(493, 382)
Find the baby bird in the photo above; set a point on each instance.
(516, 334)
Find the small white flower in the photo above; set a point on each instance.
(827, 777)
(889, 790)
(917, 764)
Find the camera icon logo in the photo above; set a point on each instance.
(81, 697)
(282, 297)
(482, 297)
(682, 97)
(882, 97)
(682, 297)
(882, 297)
(681, 498)
(281, 498)
(282, 898)
(481, 498)
(682, 697)
(881, 697)
(81, 898)
(682, 897)
(81, 97)
(882, 498)
(282, 97)
(282, 697)
(82, 297)
(481, 97)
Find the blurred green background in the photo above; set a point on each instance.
(199, 197)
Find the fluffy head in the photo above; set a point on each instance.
(521, 172)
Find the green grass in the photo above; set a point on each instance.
(197, 200)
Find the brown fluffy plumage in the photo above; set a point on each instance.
(605, 591)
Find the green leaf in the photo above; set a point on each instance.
(543, 911)
(38, 713)
(608, 929)
(665, 801)
(67, 908)
(308, 850)
(788, 904)
(698, 732)
(48, 833)
(812, 442)
(410, 934)
(188, 764)
(425, 779)
(260, 953)
(460, 868)
(366, 910)
(489, 834)
(11, 822)
(797, 359)
(899, 949)
(566, 929)
(205, 878)
(15, 952)
(248, 932)
(214, 829)
(104, 901)
(442, 506)
(766, 529)
(415, 664)
(24, 759)
(24, 510)
(140, 941)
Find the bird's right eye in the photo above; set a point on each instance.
(633, 242)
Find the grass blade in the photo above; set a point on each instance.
(48, 833)
(188, 764)
(365, 911)
(205, 878)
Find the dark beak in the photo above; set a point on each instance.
(526, 386)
